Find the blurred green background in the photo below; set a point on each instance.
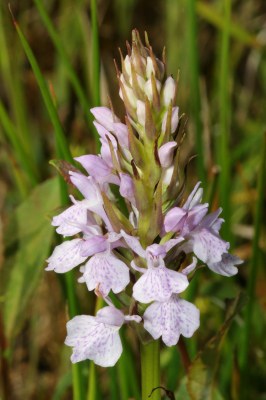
(218, 48)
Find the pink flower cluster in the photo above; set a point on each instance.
(136, 249)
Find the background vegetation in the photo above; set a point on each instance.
(50, 77)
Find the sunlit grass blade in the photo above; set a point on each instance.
(194, 86)
(95, 55)
(15, 141)
(222, 147)
(61, 144)
(252, 276)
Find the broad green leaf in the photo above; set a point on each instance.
(34, 233)
(201, 375)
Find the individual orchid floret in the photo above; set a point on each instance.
(97, 338)
(157, 282)
(170, 319)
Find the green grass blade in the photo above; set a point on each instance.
(223, 156)
(95, 55)
(62, 148)
(194, 86)
(244, 364)
(15, 141)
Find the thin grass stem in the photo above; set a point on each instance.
(194, 85)
(222, 149)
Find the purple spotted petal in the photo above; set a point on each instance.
(159, 283)
(106, 272)
(208, 247)
(93, 340)
(171, 318)
(66, 256)
(93, 245)
(226, 266)
(71, 221)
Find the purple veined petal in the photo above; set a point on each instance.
(66, 256)
(127, 187)
(171, 318)
(121, 132)
(141, 112)
(107, 272)
(208, 247)
(166, 153)
(194, 198)
(190, 267)
(70, 221)
(194, 217)
(159, 284)
(104, 116)
(227, 266)
(169, 91)
(93, 245)
(174, 120)
(134, 243)
(93, 340)
(174, 219)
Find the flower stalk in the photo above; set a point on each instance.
(150, 370)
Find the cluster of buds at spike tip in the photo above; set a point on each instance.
(143, 241)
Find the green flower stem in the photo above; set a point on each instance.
(92, 384)
(150, 370)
